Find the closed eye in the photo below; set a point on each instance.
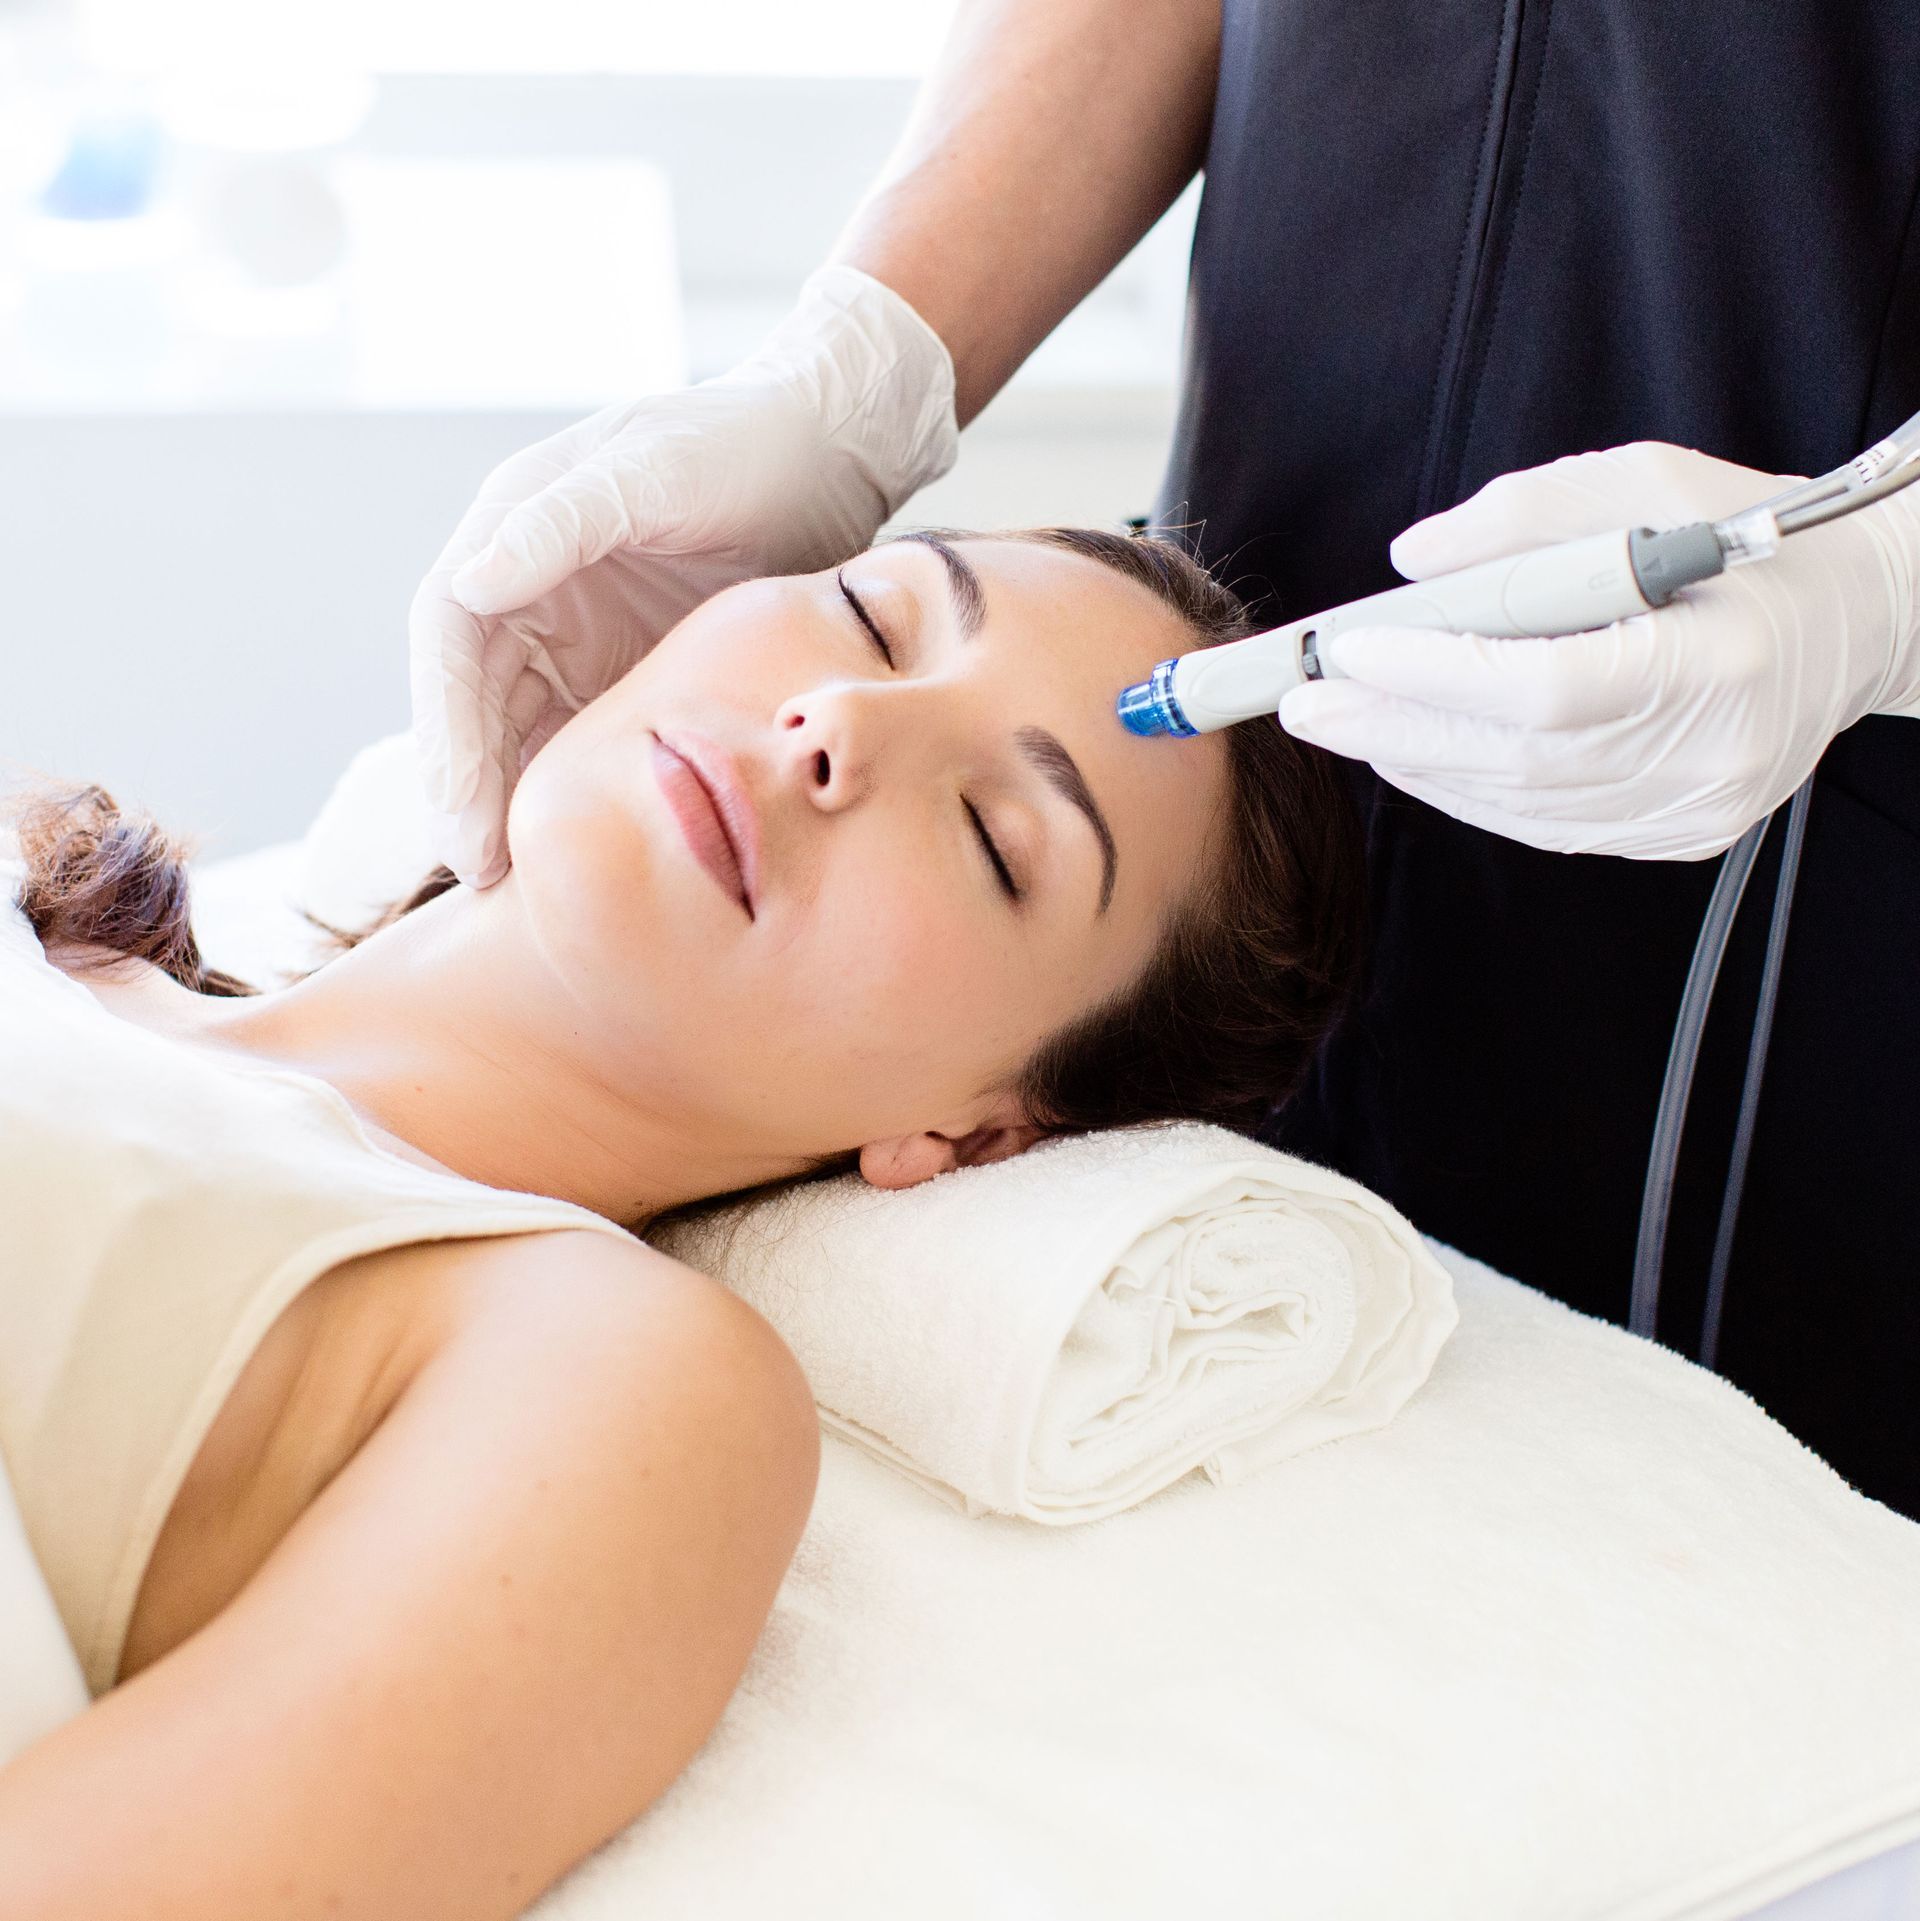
(865, 619)
(1002, 872)
(1000, 867)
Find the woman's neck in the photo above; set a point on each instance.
(450, 1031)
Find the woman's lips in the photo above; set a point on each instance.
(712, 812)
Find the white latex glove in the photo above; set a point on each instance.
(1663, 737)
(583, 550)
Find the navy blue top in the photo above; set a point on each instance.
(1441, 239)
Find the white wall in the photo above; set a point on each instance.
(206, 612)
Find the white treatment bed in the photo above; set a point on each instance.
(1581, 1634)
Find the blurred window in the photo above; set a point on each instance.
(556, 36)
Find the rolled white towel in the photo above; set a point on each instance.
(1063, 1334)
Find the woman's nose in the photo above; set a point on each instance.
(827, 741)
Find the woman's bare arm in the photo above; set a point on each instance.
(1050, 137)
(493, 1639)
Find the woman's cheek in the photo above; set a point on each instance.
(745, 649)
(928, 956)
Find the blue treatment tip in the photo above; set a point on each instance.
(1139, 709)
(1148, 706)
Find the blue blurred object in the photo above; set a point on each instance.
(109, 170)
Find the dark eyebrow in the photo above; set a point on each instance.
(1064, 776)
(1041, 748)
(963, 583)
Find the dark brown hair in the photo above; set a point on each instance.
(1253, 969)
(1258, 961)
(99, 874)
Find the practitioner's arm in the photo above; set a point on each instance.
(492, 1640)
(1049, 138)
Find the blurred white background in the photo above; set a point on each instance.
(281, 279)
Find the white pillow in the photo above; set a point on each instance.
(368, 844)
(367, 848)
(40, 1679)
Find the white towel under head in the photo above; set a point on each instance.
(1062, 1334)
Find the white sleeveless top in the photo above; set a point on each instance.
(159, 1208)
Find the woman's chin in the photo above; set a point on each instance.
(606, 875)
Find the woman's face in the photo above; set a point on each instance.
(947, 846)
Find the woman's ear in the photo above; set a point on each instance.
(909, 1159)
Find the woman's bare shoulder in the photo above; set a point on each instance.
(495, 1635)
(335, 1363)
(396, 1308)
(427, 1290)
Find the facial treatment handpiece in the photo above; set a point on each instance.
(1552, 590)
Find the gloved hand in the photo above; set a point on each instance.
(581, 551)
(1661, 737)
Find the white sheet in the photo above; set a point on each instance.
(40, 1680)
(1581, 1634)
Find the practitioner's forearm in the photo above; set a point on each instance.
(1049, 138)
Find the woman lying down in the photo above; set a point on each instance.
(412, 1519)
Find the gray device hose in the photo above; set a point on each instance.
(1756, 1072)
(1883, 469)
(1670, 1119)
